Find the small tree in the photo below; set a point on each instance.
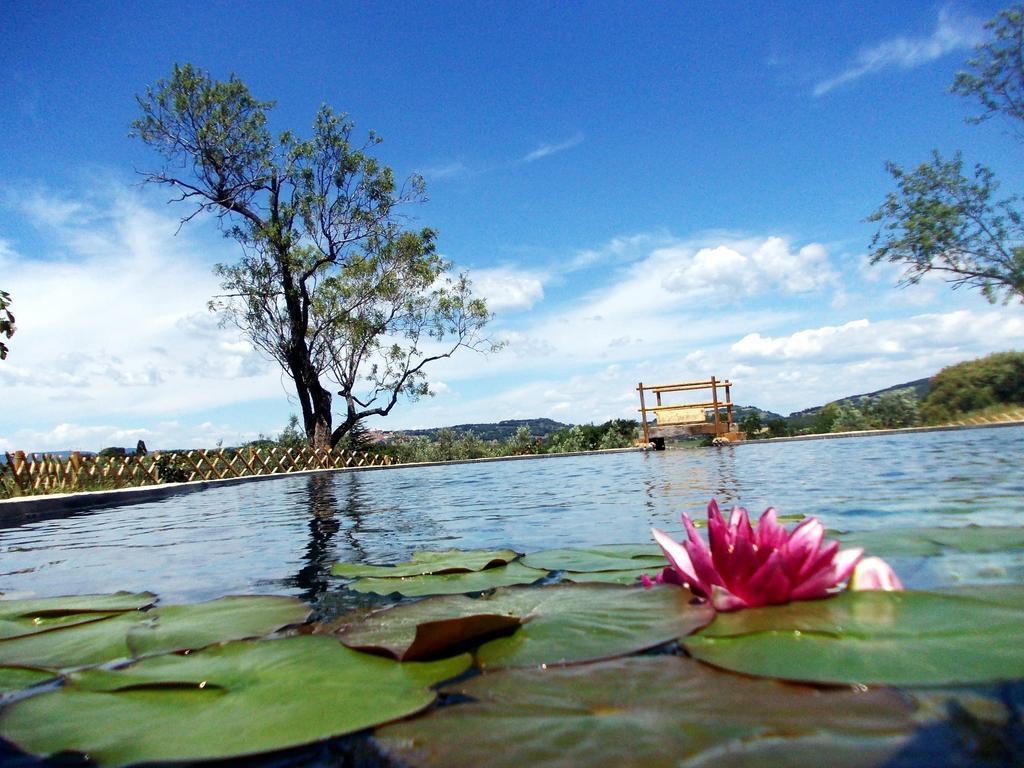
(7, 327)
(329, 285)
(751, 425)
(892, 410)
(849, 418)
(943, 220)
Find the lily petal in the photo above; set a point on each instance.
(680, 559)
(771, 535)
(769, 584)
(724, 600)
(873, 573)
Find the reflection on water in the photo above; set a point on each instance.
(283, 535)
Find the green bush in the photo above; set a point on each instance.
(997, 379)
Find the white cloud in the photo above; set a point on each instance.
(544, 150)
(112, 321)
(951, 33)
(507, 289)
(445, 171)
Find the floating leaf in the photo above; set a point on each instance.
(429, 628)
(615, 557)
(16, 678)
(168, 628)
(926, 542)
(561, 624)
(648, 712)
(28, 617)
(177, 627)
(886, 638)
(451, 583)
(612, 577)
(572, 623)
(423, 563)
(241, 698)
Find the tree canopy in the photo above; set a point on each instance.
(6, 322)
(945, 220)
(330, 283)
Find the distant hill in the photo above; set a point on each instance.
(918, 388)
(499, 431)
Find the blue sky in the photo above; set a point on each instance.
(642, 191)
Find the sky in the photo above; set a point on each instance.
(651, 192)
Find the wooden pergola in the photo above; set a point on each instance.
(687, 419)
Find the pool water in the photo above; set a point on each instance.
(281, 536)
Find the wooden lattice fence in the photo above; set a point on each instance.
(26, 474)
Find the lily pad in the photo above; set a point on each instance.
(927, 542)
(613, 577)
(165, 629)
(450, 583)
(17, 678)
(884, 638)
(560, 624)
(429, 628)
(242, 698)
(573, 623)
(177, 627)
(648, 712)
(616, 557)
(29, 617)
(423, 563)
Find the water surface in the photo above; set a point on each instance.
(281, 536)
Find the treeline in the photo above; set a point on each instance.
(449, 445)
(985, 386)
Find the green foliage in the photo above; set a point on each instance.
(112, 451)
(617, 433)
(292, 436)
(7, 326)
(849, 418)
(171, 468)
(941, 220)
(521, 443)
(751, 425)
(892, 410)
(825, 419)
(778, 428)
(997, 379)
(329, 284)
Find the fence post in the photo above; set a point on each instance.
(75, 463)
(17, 466)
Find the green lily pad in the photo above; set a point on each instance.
(927, 542)
(616, 557)
(242, 698)
(17, 678)
(883, 638)
(423, 563)
(161, 630)
(648, 712)
(429, 628)
(613, 577)
(178, 627)
(450, 583)
(573, 623)
(560, 624)
(29, 617)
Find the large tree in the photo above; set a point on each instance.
(941, 219)
(330, 284)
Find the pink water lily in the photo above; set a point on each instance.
(745, 567)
